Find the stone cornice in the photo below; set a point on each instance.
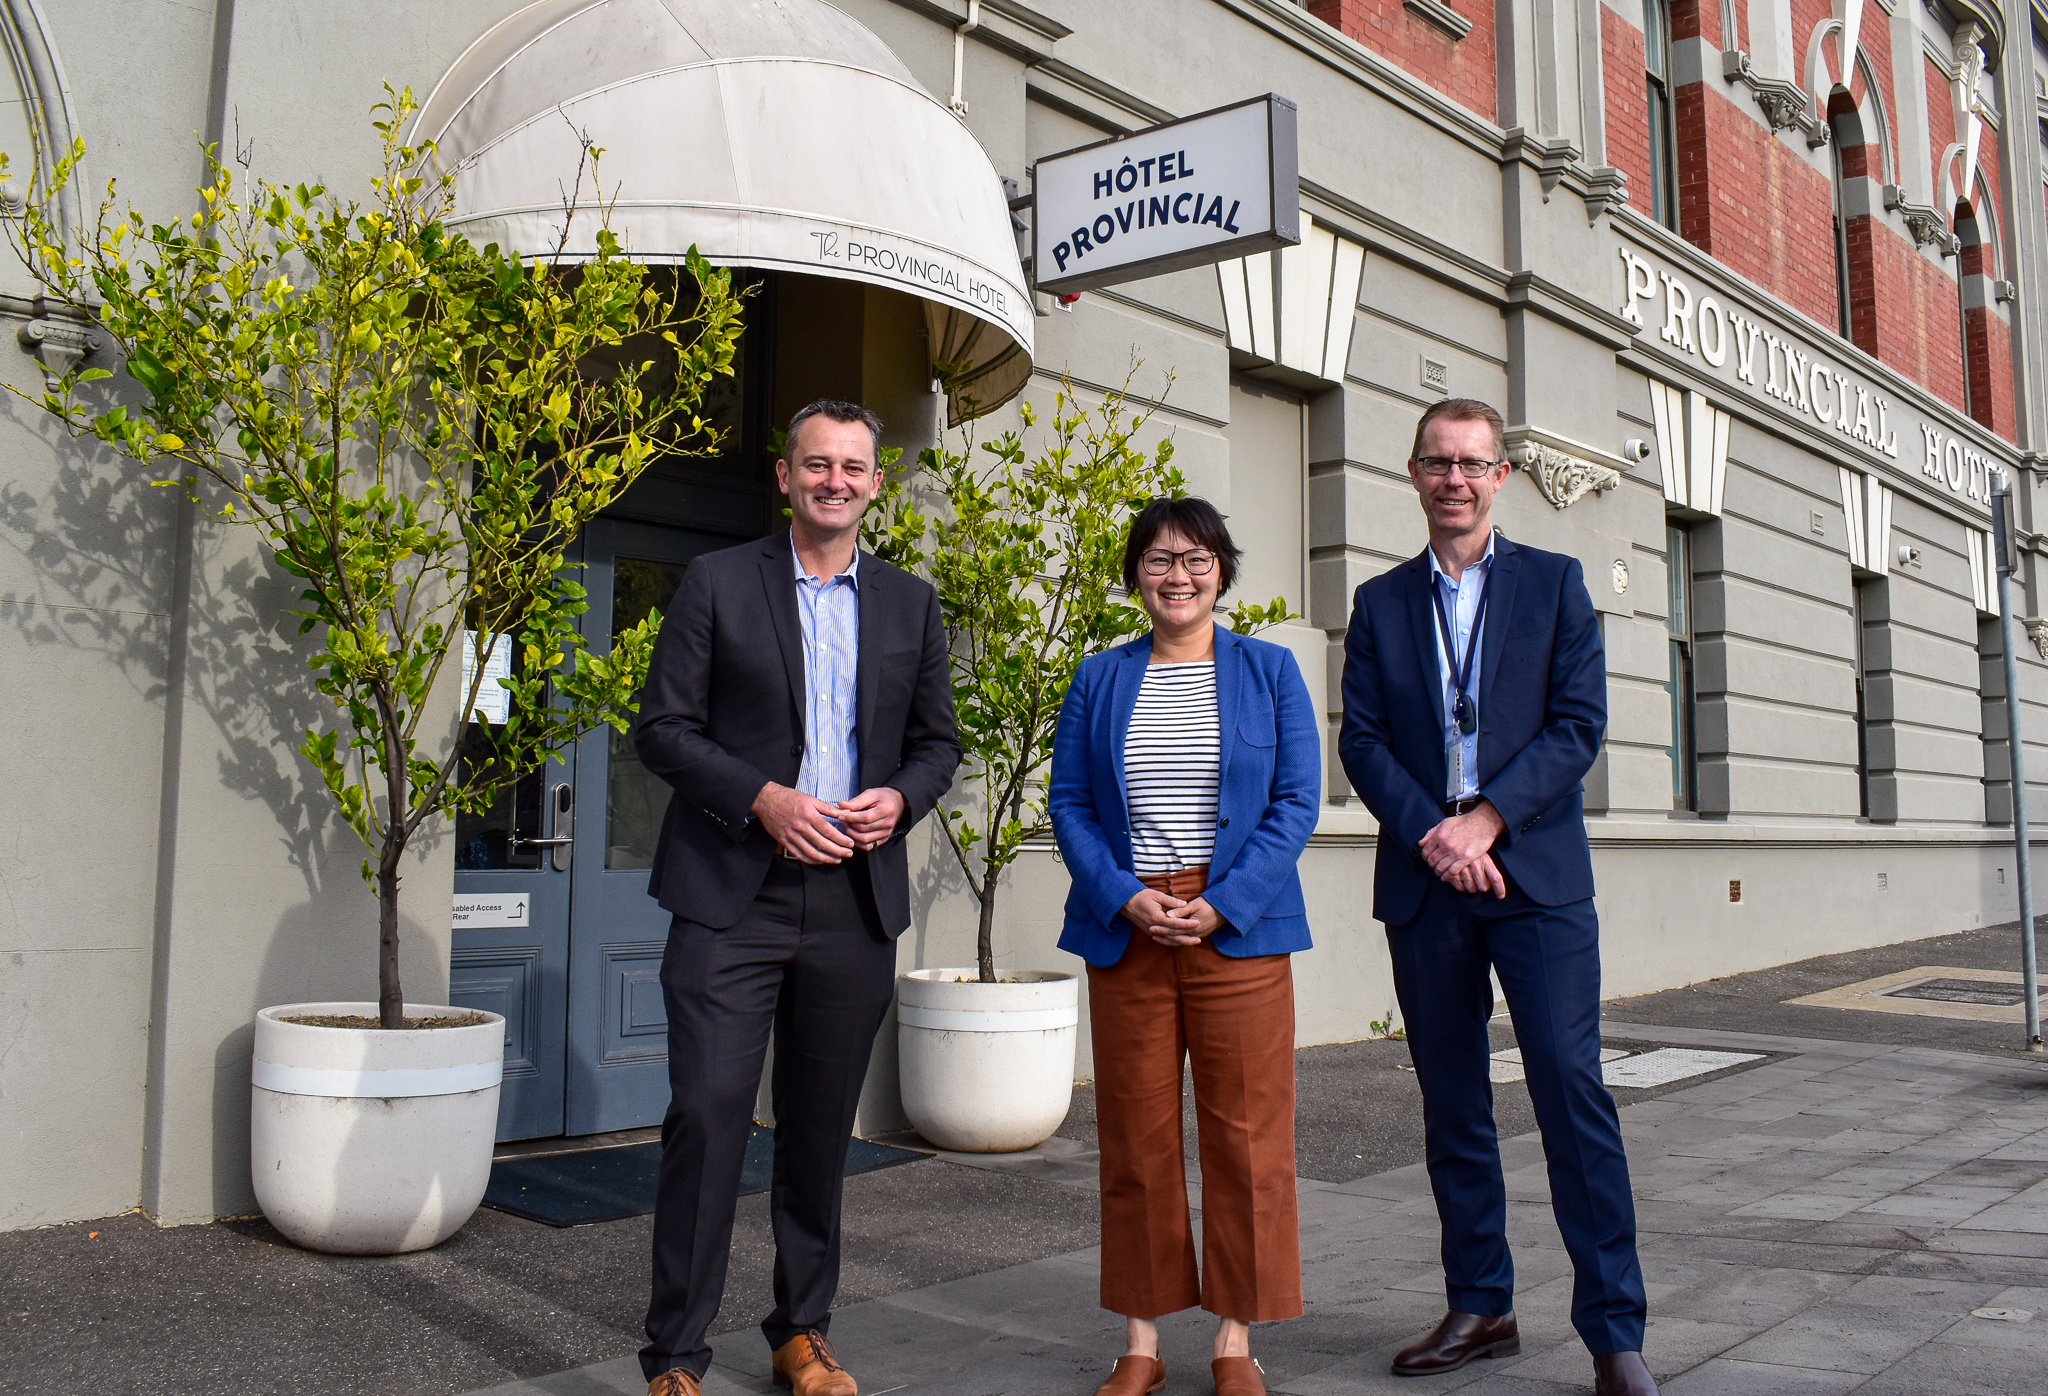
(1015, 28)
(1785, 103)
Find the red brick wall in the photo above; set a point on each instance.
(1989, 339)
(1752, 203)
(1461, 69)
(1628, 112)
(1903, 309)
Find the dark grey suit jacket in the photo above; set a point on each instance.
(723, 714)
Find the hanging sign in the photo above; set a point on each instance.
(1202, 189)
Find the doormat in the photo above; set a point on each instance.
(599, 1185)
(1934, 991)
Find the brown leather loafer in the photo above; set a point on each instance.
(1134, 1376)
(806, 1366)
(1622, 1374)
(1456, 1341)
(1237, 1376)
(673, 1383)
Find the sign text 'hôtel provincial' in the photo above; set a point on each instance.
(1756, 357)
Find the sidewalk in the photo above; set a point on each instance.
(1830, 1218)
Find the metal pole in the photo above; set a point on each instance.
(2001, 503)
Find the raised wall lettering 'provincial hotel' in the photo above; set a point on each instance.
(1758, 285)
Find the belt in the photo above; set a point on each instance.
(1184, 883)
(1464, 806)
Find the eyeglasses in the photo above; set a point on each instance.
(1436, 467)
(1199, 562)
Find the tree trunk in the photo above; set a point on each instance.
(390, 997)
(985, 947)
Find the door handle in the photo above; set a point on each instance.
(562, 805)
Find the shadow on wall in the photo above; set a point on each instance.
(114, 562)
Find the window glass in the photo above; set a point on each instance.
(1678, 681)
(1657, 95)
(635, 798)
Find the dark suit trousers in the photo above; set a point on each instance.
(1548, 959)
(809, 962)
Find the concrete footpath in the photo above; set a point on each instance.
(1854, 1208)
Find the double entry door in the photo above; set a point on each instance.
(553, 924)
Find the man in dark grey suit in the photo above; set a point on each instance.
(799, 704)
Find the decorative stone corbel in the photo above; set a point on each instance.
(1550, 157)
(1606, 187)
(1563, 478)
(1924, 221)
(59, 346)
(2037, 631)
(1784, 102)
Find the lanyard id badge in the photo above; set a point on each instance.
(1464, 706)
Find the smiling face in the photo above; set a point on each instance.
(829, 476)
(1177, 602)
(1458, 507)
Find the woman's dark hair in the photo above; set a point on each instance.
(1194, 519)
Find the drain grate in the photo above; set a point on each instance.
(1961, 991)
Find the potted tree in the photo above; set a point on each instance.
(1026, 553)
(417, 429)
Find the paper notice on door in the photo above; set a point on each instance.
(494, 702)
(479, 913)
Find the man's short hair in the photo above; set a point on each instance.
(1462, 409)
(1194, 519)
(835, 410)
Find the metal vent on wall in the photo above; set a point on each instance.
(1295, 307)
(1692, 447)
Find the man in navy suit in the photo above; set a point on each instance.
(1475, 696)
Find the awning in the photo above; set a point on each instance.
(779, 134)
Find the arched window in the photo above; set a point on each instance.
(1663, 140)
(1977, 280)
(1848, 158)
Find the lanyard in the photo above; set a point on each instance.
(1465, 710)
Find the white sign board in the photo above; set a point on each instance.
(1202, 189)
(478, 913)
(494, 702)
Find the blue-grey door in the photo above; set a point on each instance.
(510, 951)
(618, 1031)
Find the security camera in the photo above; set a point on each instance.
(1635, 449)
(1908, 556)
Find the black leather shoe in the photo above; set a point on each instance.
(1459, 1339)
(1622, 1374)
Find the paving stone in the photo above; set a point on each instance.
(1944, 1369)
(1756, 1299)
(1844, 1338)
(1670, 1345)
(2028, 1211)
(1725, 1376)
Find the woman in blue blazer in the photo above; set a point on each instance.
(1186, 775)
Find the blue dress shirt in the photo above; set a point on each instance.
(1461, 604)
(829, 609)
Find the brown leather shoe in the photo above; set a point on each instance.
(673, 1383)
(1134, 1376)
(1622, 1374)
(1456, 1341)
(805, 1365)
(1237, 1376)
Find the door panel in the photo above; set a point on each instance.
(618, 1028)
(519, 970)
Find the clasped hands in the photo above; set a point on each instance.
(819, 831)
(1460, 850)
(1171, 921)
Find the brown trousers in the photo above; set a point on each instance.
(1233, 1020)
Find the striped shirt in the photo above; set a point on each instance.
(829, 610)
(1172, 754)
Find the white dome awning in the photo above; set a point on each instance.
(779, 134)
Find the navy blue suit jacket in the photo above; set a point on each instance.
(1542, 712)
(1271, 787)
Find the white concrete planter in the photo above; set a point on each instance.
(986, 1068)
(365, 1142)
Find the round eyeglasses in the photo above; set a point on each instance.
(1436, 467)
(1199, 562)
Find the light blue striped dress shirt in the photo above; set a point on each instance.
(829, 609)
(1461, 603)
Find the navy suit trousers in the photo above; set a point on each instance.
(1548, 959)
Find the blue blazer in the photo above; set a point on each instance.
(1542, 713)
(1266, 806)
